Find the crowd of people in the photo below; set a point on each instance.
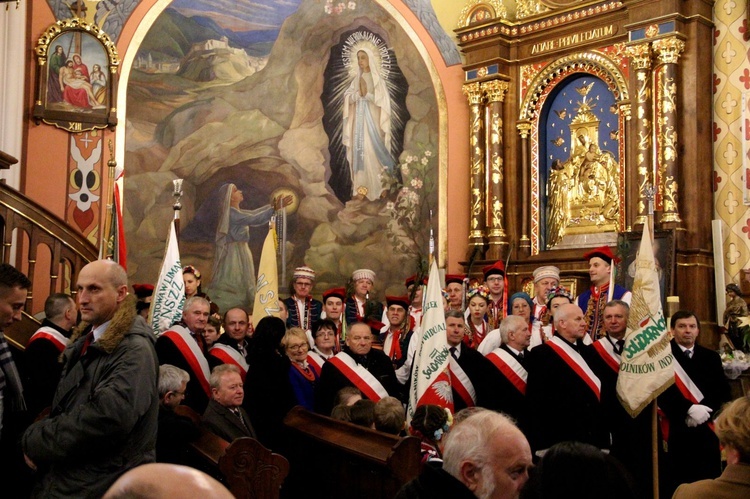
(533, 381)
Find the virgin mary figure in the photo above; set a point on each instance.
(367, 124)
(233, 276)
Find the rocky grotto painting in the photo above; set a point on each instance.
(330, 102)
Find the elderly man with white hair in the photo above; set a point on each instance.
(509, 359)
(485, 456)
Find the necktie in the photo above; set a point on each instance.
(453, 353)
(241, 348)
(689, 354)
(618, 347)
(236, 412)
(520, 355)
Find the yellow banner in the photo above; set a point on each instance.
(267, 288)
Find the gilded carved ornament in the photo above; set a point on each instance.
(495, 90)
(480, 12)
(668, 50)
(473, 92)
(640, 56)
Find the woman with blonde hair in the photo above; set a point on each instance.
(733, 430)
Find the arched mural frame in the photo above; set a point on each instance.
(147, 21)
(594, 62)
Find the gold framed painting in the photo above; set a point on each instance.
(76, 77)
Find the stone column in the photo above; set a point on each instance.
(640, 60)
(524, 128)
(494, 92)
(667, 51)
(477, 222)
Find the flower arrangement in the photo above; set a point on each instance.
(411, 185)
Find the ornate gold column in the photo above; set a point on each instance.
(640, 60)
(524, 128)
(476, 155)
(667, 51)
(494, 92)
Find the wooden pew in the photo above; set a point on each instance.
(249, 469)
(335, 459)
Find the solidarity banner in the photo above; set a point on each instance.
(646, 368)
(430, 380)
(169, 294)
(267, 287)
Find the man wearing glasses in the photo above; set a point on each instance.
(358, 365)
(304, 310)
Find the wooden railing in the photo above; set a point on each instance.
(36, 226)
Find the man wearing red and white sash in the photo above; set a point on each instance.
(472, 376)
(232, 346)
(358, 365)
(182, 346)
(563, 395)
(509, 359)
(631, 437)
(44, 348)
(699, 390)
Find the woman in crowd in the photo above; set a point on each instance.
(268, 392)
(479, 300)
(302, 374)
(733, 430)
(430, 424)
(324, 338)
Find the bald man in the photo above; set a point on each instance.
(563, 394)
(105, 410)
(164, 481)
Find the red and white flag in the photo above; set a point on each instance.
(647, 364)
(430, 376)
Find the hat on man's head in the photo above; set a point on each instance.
(545, 272)
(497, 268)
(363, 274)
(402, 301)
(413, 279)
(602, 252)
(457, 278)
(334, 293)
(304, 272)
(143, 290)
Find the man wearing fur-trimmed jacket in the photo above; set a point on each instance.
(105, 410)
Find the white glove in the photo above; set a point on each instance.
(697, 415)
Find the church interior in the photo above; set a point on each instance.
(526, 131)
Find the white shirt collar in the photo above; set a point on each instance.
(99, 330)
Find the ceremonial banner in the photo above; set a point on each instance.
(169, 294)
(646, 368)
(267, 288)
(430, 378)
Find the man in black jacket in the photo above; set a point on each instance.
(690, 404)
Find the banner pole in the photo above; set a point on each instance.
(654, 450)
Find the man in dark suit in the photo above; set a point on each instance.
(472, 376)
(509, 360)
(699, 391)
(357, 364)
(224, 415)
(563, 395)
(631, 437)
